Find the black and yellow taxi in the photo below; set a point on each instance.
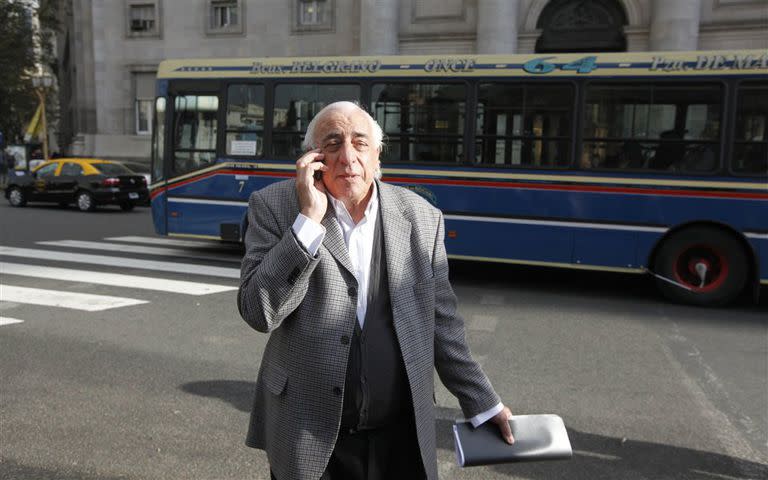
(86, 182)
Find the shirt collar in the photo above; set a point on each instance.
(342, 214)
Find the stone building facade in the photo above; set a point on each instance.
(109, 50)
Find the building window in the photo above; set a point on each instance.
(144, 96)
(143, 18)
(313, 15)
(225, 16)
(582, 26)
(312, 12)
(143, 116)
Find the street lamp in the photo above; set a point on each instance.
(42, 84)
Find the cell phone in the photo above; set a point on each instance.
(319, 173)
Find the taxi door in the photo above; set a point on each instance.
(65, 183)
(42, 185)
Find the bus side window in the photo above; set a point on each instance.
(295, 106)
(158, 140)
(750, 149)
(245, 120)
(656, 127)
(194, 132)
(524, 125)
(424, 122)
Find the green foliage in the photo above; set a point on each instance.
(17, 57)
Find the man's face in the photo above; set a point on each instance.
(346, 140)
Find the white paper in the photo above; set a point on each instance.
(243, 147)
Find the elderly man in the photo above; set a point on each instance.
(350, 276)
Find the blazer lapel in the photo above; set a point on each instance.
(334, 239)
(397, 239)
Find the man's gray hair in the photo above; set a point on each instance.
(345, 107)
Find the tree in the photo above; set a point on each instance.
(19, 60)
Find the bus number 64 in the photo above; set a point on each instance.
(541, 65)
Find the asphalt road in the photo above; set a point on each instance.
(158, 384)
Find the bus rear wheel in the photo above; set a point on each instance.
(711, 262)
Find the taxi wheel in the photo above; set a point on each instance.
(16, 197)
(126, 206)
(85, 201)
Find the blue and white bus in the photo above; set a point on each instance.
(648, 163)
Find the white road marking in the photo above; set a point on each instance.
(713, 380)
(601, 456)
(114, 279)
(717, 475)
(731, 440)
(121, 262)
(173, 242)
(118, 247)
(73, 300)
(9, 321)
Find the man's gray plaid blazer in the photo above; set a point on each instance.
(309, 304)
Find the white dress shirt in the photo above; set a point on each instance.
(359, 240)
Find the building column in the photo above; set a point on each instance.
(497, 26)
(675, 25)
(379, 27)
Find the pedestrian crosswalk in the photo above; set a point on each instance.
(9, 321)
(117, 247)
(123, 262)
(74, 300)
(113, 279)
(129, 264)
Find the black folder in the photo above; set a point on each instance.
(537, 437)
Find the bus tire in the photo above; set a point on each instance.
(85, 201)
(16, 197)
(718, 251)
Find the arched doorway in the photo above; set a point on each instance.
(582, 26)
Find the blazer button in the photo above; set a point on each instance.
(344, 340)
(337, 390)
(352, 291)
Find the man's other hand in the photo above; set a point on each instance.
(502, 420)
